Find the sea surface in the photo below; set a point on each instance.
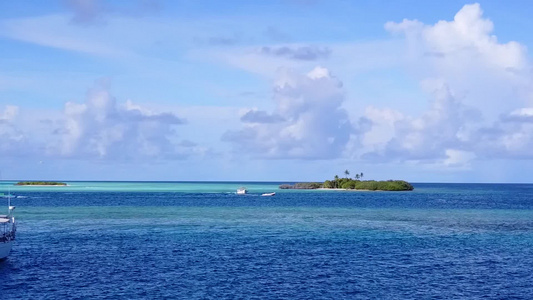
(199, 240)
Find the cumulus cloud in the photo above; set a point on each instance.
(308, 121)
(14, 142)
(467, 37)
(458, 158)
(297, 53)
(260, 116)
(438, 131)
(466, 54)
(9, 113)
(99, 128)
(510, 137)
(103, 128)
(486, 119)
(524, 115)
(449, 135)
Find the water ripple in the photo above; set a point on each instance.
(433, 244)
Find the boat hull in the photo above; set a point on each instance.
(268, 194)
(5, 249)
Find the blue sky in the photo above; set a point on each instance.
(426, 91)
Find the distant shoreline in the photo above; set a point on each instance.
(40, 183)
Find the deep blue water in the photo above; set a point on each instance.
(441, 241)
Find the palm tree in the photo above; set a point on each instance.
(356, 176)
(336, 180)
(361, 175)
(346, 172)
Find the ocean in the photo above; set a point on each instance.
(199, 240)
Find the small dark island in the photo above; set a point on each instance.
(54, 183)
(353, 184)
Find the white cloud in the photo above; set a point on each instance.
(477, 84)
(100, 128)
(510, 137)
(428, 137)
(14, 142)
(467, 37)
(495, 77)
(383, 121)
(309, 120)
(103, 128)
(520, 115)
(9, 113)
(458, 158)
(470, 77)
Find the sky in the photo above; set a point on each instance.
(292, 90)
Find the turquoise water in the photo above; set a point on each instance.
(97, 240)
(129, 186)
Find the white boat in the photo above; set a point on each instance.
(268, 194)
(7, 231)
(241, 191)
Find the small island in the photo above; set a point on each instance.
(54, 183)
(353, 184)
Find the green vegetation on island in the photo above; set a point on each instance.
(353, 184)
(302, 186)
(40, 183)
